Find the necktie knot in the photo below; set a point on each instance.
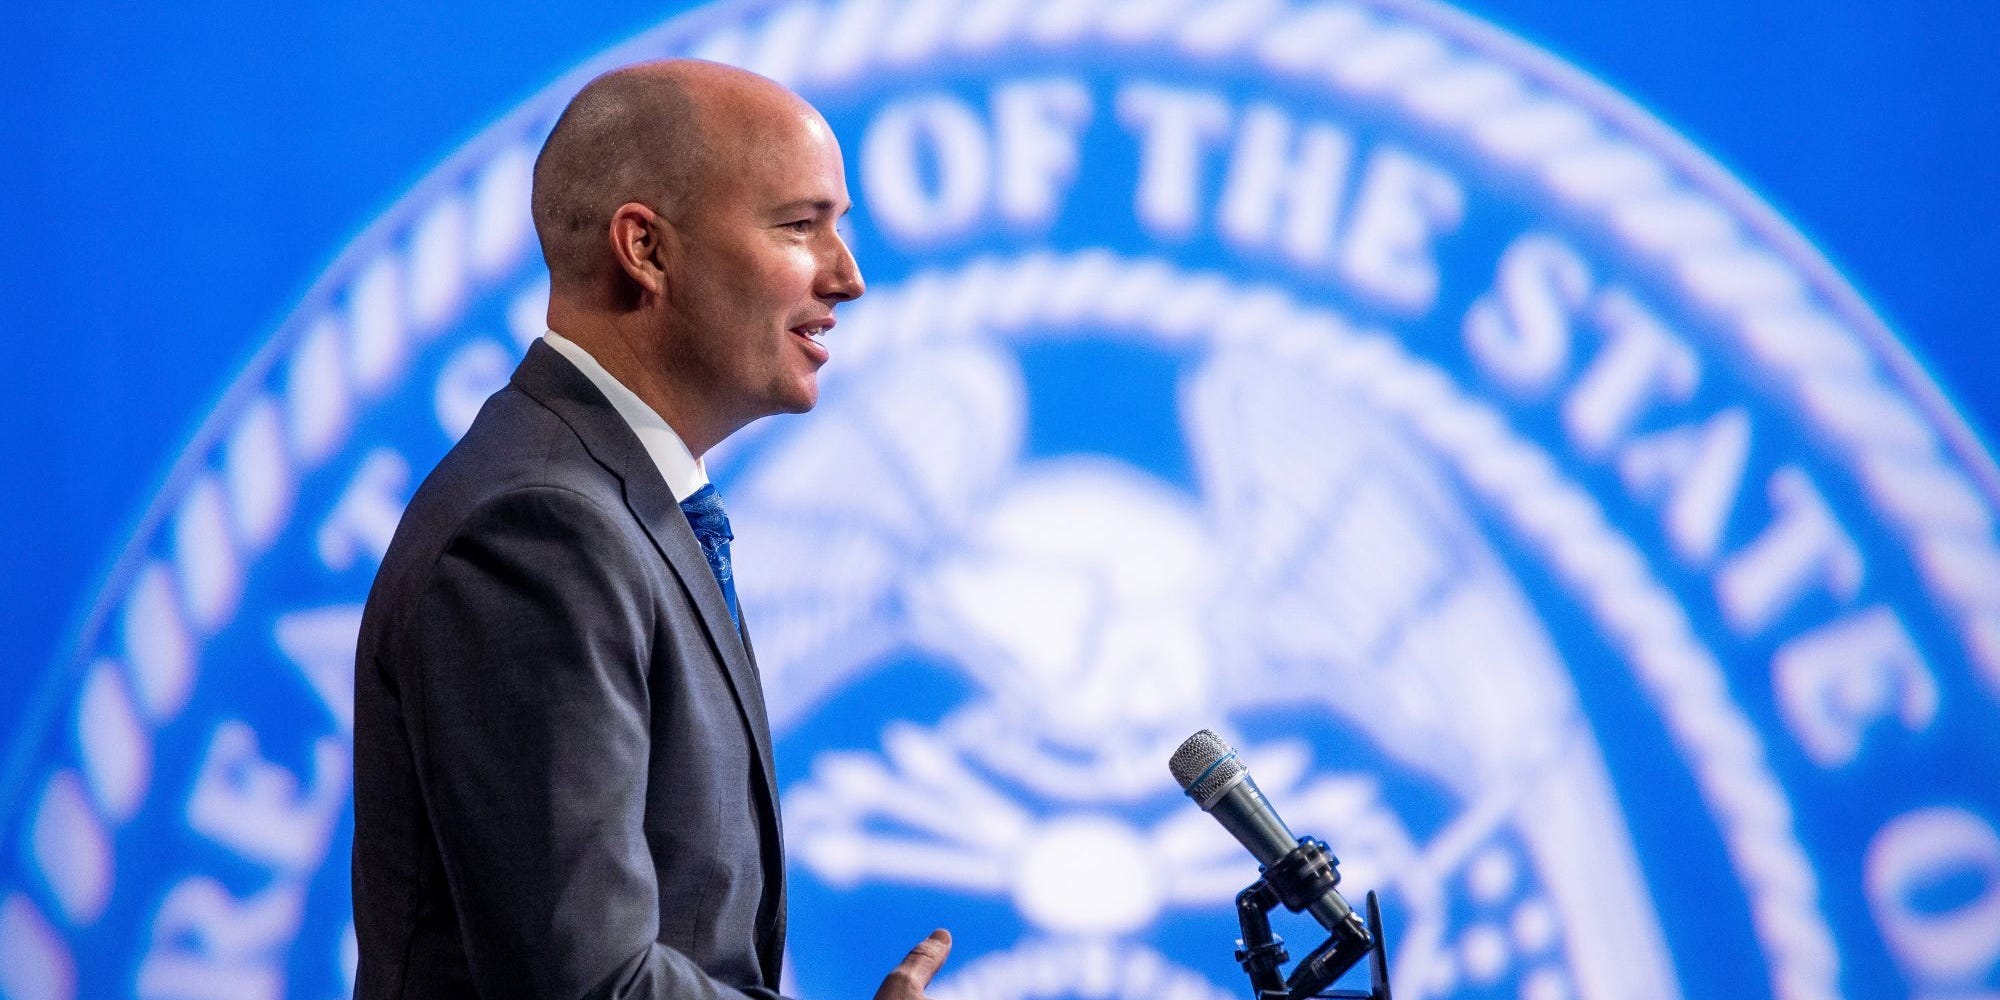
(705, 515)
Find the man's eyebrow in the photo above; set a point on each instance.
(817, 205)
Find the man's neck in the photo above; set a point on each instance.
(625, 351)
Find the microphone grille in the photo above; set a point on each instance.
(1204, 763)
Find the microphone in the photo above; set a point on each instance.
(1210, 773)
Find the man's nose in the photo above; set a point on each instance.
(841, 280)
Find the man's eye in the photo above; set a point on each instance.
(800, 226)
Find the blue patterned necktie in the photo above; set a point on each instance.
(704, 512)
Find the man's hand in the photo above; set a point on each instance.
(910, 976)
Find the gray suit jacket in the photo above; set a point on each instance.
(562, 771)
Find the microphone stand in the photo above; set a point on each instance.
(1299, 879)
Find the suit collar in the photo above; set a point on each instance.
(683, 472)
(552, 380)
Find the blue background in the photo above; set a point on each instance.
(174, 176)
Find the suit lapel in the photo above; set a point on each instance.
(654, 505)
(552, 380)
(771, 911)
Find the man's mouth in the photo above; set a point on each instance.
(812, 332)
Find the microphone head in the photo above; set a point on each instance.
(1205, 767)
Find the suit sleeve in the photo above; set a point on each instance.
(529, 721)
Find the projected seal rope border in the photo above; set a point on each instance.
(292, 466)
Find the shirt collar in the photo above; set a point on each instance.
(683, 472)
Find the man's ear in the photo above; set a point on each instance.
(638, 237)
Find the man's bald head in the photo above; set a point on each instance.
(658, 133)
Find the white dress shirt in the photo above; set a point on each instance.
(683, 472)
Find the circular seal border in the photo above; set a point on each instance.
(1588, 147)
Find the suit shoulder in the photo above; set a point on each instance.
(515, 443)
(518, 465)
(516, 440)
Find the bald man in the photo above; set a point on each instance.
(563, 776)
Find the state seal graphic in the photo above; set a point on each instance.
(1558, 536)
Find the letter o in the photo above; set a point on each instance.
(1918, 850)
(956, 141)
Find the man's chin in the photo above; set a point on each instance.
(800, 398)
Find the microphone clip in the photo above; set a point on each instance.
(1301, 878)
